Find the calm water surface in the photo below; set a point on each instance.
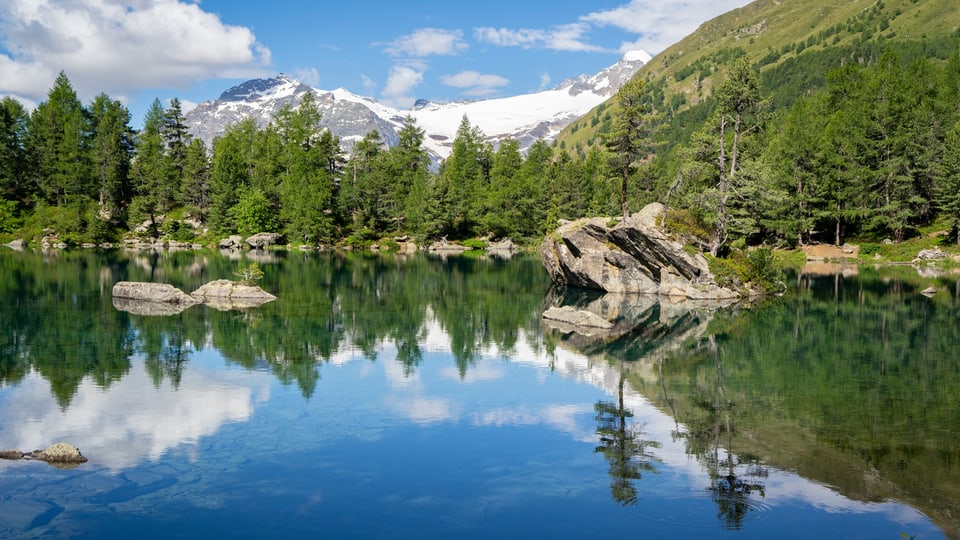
(388, 397)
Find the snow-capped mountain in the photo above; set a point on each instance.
(526, 117)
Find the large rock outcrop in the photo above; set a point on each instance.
(631, 256)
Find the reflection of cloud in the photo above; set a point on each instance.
(127, 422)
(423, 410)
(562, 418)
(481, 372)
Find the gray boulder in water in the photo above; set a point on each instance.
(152, 292)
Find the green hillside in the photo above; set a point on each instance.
(793, 42)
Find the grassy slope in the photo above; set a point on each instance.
(771, 26)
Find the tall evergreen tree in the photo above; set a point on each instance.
(152, 181)
(176, 138)
(738, 100)
(59, 137)
(629, 138)
(112, 152)
(195, 189)
(14, 164)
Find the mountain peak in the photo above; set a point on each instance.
(256, 88)
(638, 55)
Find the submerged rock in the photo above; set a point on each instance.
(630, 256)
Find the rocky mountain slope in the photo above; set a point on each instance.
(528, 117)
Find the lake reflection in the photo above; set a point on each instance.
(421, 398)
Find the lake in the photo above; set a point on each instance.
(388, 396)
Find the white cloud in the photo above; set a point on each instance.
(567, 37)
(476, 84)
(657, 25)
(427, 42)
(309, 76)
(403, 78)
(368, 83)
(544, 81)
(117, 47)
(660, 24)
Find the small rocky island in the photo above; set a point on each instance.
(632, 255)
(60, 454)
(145, 298)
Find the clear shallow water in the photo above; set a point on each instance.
(386, 398)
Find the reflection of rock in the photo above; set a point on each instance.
(643, 326)
(17, 245)
(820, 268)
(576, 317)
(145, 307)
(152, 292)
(633, 256)
(262, 240)
(262, 257)
(224, 294)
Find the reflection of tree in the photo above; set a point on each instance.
(730, 488)
(622, 446)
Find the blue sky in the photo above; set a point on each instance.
(397, 52)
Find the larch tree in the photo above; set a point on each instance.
(738, 102)
(629, 137)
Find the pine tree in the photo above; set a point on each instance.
(738, 102)
(59, 138)
(176, 138)
(629, 138)
(149, 169)
(112, 152)
(14, 164)
(195, 189)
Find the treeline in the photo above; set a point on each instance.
(85, 173)
(872, 154)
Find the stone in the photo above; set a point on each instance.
(931, 255)
(11, 454)
(929, 291)
(629, 256)
(503, 245)
(163, 293)
(60, 453)
(262, 240)
(17, 245)
(224, 294)
(576, 317)
(234, 241)
(446, 247)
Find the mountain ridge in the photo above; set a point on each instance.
(525, 117)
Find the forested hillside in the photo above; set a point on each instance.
(770, 125)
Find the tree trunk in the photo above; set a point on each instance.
(623, 193)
